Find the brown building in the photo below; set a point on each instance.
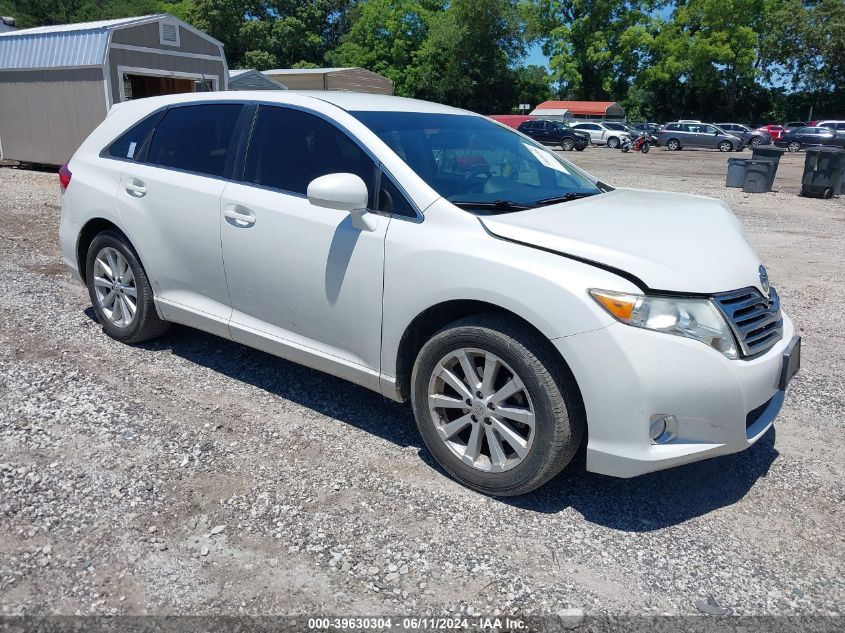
(345, 79)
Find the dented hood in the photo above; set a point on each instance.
(668, 241)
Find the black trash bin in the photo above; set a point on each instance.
(736, 172)
(771, 154)
(757, 176)
(823, 172)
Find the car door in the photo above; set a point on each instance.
(689, 135)
(305, 283)
(169, 202)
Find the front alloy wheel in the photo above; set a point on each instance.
(726, 146)
(673, 145)
(567, 144)
(495, 404)
(613, 142)
(794, 146)
(481, 409)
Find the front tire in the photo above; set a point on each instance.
(673, 145)
(496, 407)
(120, 291)
(794, 146)
(755, 141)
(567, 144)
(613, 142)
(645, 147)
(726, 146)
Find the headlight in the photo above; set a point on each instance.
(697, 319)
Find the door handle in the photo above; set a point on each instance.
(136, 188)
(238, 216)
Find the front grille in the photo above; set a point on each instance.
(756, 321)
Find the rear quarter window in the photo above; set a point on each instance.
(128, 145)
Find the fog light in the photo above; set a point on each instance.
(662, 428)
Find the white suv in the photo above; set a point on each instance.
(435, 256)
(602, 134)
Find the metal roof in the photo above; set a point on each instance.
(69, 45)
(579, 107)
(304, 71)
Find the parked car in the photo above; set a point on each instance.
(833, 125)
(555, 133)
(651, 128)
(796, 140)
(793, 125)
(433, 255)
(775, 131)
(748, 136)
(676, 136)
(620, 127)
(601, 134)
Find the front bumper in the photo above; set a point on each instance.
(627, 375)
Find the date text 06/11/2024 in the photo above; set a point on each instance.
(419, 623)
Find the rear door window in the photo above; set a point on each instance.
(195, 138)
(289, 148)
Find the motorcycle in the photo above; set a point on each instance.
(642, 143)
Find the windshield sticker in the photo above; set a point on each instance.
(545, 158)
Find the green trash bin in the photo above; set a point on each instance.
(757, 176)
(823, 172)
(771, 154)
(736, 172)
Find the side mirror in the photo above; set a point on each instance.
(344, 192)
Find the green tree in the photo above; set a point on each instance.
(384, 36)
(275, 33)
(533, 85)
(805, 43)
(468, 57)
(595, 46)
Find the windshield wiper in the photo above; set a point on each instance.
(572, 195)
(504, 205)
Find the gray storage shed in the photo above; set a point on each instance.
(347, 79)
(252, 80)
(57, 83)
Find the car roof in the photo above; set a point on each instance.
(350, 101)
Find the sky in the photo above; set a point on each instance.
(536, 58)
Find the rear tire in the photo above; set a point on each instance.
(794, 146)
(120, 291)
(547, 423)
(645, 147)
(673, 145)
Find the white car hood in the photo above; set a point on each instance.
(669, 241)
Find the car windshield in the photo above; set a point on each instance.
(477, 164)
(615, 126)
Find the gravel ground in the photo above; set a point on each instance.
(195, 476)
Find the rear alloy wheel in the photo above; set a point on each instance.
(794, 146)
(613, 142)
(673, 145)
(726, 146)
(567, 144)
(120, 291)
(495, 406)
